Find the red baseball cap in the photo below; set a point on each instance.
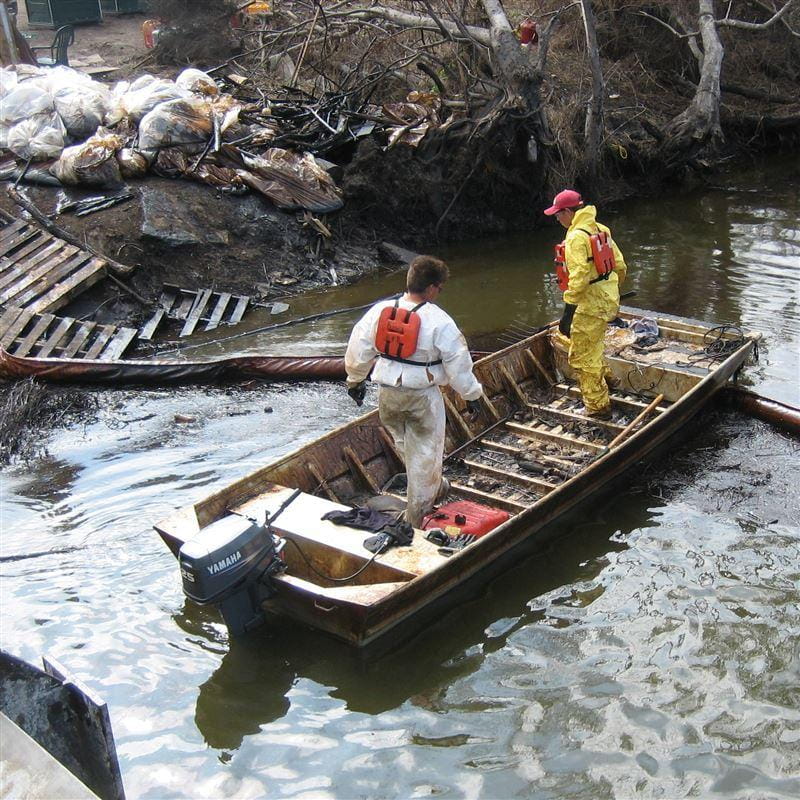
(569, 198)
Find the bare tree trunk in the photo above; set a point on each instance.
(594, 126)
(698, 125)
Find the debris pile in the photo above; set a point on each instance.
(190, 128)
(184, 128)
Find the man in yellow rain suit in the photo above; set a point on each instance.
(590, 302)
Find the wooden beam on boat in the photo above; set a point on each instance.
(539, 366)
(322, 483)
(151, 326)
(61, 330)
(219, 310)
(616, 399)
(629, 428)
(360, 470)
(529, 452)
(573, 442)
(571, 416)
(78, 340)
(513, 386)
(38, 329)
(390, 447)
(539, 486)
(455, 418)
(489, 499)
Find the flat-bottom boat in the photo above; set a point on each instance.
(530, 452)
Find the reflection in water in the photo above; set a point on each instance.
(649, 651)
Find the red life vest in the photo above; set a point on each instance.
(398, 331)
(562, 274)
(602, 255)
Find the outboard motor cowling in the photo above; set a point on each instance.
(228, 564)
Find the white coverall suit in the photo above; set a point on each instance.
(410, 401)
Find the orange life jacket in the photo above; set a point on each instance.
(602, 255)
(397, 334)
(562, 274)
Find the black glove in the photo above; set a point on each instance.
(473, 406)
(358, 391)
(565, 323)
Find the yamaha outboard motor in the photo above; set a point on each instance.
(229, 564)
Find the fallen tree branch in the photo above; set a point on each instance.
(55, 230)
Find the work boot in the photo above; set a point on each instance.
(601, 413)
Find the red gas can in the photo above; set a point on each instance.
(465, 517)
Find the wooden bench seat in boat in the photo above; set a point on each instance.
(302, 522)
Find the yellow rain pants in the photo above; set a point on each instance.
(416, 420)
(597, 304)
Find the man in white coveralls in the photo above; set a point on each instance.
(412, 348)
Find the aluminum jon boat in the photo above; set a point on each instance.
(260, 547)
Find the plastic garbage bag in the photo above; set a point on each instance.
(292, 181)
(195, 80)
(92, 163)
(81, 108)
(140, 98)
(8, 81)
(38, 138)
(132, 164)
(185, 123)
(26, 100)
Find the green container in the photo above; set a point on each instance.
(122, 6)
(55, 13)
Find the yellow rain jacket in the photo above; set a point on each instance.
(597, 303)
(599, 299)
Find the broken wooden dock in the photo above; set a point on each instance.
(39, 272)
(196, 306)
(24, 333)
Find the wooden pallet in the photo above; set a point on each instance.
(39, 272)
(195, 306)
(25, 333)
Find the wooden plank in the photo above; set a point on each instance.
(558, 438)
(546, 458)
(81, 335)
(359, 469)
(8, 317)
(7, 231)
(119, 343)
(456, 419)
(490, 499)
(37, 264)
(101, 340)
(570, 416)
(322, 483)
(52, 341)
(13, 242)
(390, 446)
(238, 311)
(539, 366)
(167, 299)
(149, 330)
(219, 310)
(40, 280)
(198, 307)
(513, 385)
(39, 329)
(65, 290)
(16, 328)
(39, 241)
(616, 399)
(185, 301)
(538, 485)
